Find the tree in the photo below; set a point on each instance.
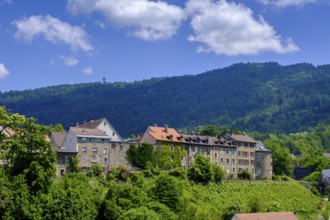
(58, 128)
(141, 156)
(28, 151)
(74, 165)
(218, 173)
(95, 170)
(210, 130)
(282, 161)
(200, 171)
(168, 191)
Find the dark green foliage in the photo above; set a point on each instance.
(168, 191)
(178, 172)
(140, 213)
(95, 170)
(200, 171)
(168, 157)
(256, 205)
(264, 97)
(141, 156)
(313, 177)
(229, 212)
(218, 173)
(315, 191)
(74, 165)
(210, 130)
(244, 175)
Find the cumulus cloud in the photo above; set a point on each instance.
(286, 3)
(148, 20)
(87, 70)
(69, 61)
(3, 71)
(229, 28)
(52, 30)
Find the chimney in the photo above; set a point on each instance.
(166, 128)
(77, 125)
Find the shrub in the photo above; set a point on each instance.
(260, 177)
(244, 175)
(255, 205)
(95, 170)
(178, 172)
(315, 191)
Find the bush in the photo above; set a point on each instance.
(244, 175)
(315, 191)
(95, 170)
(178, 172)
(276, 178)
(260, 177)
(255, 205)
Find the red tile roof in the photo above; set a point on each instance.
(266, 216)
(164, 134)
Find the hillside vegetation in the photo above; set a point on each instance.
(263, 97)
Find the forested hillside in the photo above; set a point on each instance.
(263, 97)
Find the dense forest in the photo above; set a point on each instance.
(162, 189)
(263, 97)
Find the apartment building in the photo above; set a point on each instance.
(232, 152)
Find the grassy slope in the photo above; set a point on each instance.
(275, 196)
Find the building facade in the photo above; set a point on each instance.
(234, 153)
(93, 142)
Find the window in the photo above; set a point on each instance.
(83, 159)
(84, 149)
(251, 162)
(94, 159)
(228, 161)
(105, 160)
(233, 170)
(105, 150)
(215, 155)
(94, 149)
(233, 161)
(251, 154)
(221, 160)
(67, 159)
(113, 134)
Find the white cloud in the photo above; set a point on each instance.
(3, 71)
(52, 30)
(286, 3)
(69, 61)
(229, 28)
(87, 70)
(148, 20)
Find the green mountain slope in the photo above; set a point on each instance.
(265, 97)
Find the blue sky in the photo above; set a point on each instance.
(44, 43)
